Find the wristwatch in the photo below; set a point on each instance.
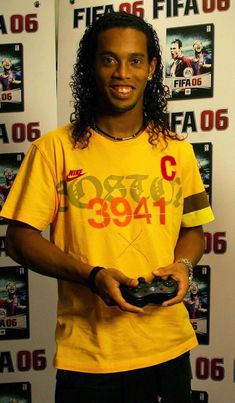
(189, 265)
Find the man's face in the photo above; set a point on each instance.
(121, 69)
(194, 288)
(6, 64)
(11, 288)
(9, 174)
(175, 50)
(197, 46)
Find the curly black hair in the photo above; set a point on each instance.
(84, 89)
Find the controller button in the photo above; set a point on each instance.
(135, 289)
(141, 280)
(168, 283)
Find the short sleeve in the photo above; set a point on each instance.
(33, 196)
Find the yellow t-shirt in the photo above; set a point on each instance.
(120, 205)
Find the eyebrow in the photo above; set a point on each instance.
(109, 52)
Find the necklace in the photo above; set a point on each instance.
(109, 136)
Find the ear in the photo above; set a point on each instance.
(152, 66)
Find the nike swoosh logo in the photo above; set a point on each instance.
(71, 176)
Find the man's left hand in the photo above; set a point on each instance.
(179, 272)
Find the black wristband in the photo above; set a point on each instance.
(91, 278)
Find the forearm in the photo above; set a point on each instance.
(26, 246)
(190, 244)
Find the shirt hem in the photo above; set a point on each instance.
(139, 364)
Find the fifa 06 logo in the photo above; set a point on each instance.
(215, 243)
(18, 23)
(24, 361)
(210, 368)
(20, 132)
(209, 6)
(133, 8)
(173, 8)
(208, 120)
(91, 14)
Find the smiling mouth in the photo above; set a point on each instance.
(122, 91)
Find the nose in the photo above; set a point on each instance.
(122, 70)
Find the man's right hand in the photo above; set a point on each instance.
(108, 284)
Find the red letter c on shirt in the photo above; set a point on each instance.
(167, 162)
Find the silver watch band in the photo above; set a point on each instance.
(189, 265)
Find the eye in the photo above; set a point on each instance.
(108, 60)
(136, 60)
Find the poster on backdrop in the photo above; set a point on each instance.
(197, 302)
(9, 166)
(199, 396)
(15, 392)
(203, 154)
(14, 303)
(11, 77)
(189, 61)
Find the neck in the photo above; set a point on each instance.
(118, 138)
(120, 126)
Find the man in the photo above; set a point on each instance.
(9, 177)
(180, 61)
(13, 303)
(9, 79)
(201, 60)
(124, 199)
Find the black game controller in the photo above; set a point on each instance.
(145, 293)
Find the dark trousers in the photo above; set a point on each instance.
(170, 380)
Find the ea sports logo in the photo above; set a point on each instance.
(188, 72)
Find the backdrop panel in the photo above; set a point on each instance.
(27, 110)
